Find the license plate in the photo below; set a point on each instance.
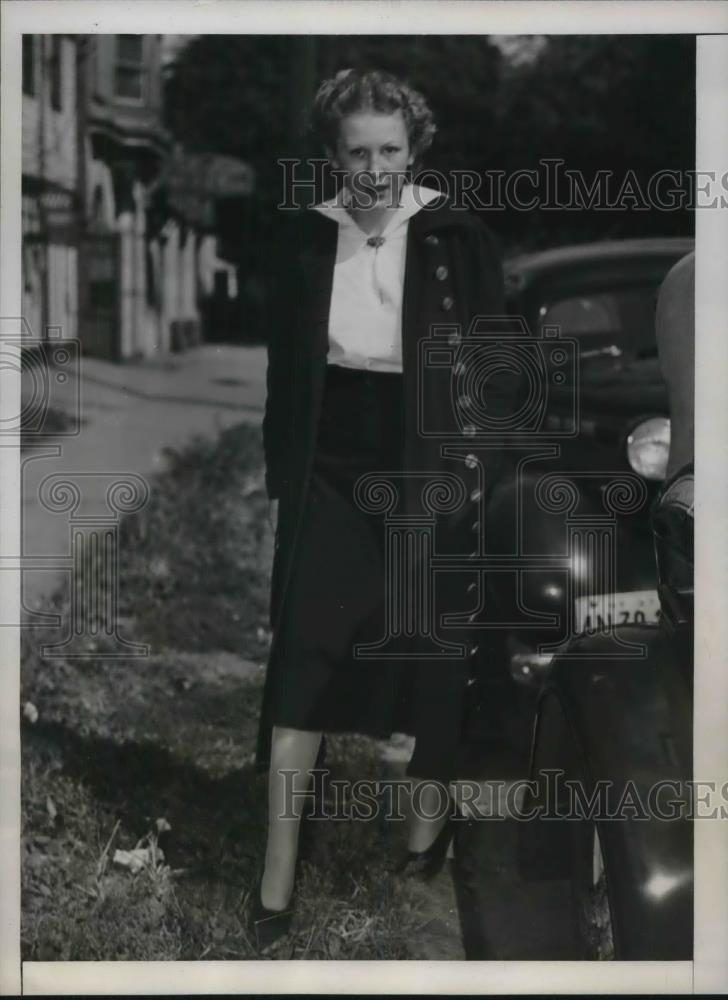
(604, 611)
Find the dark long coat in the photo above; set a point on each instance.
(452, 274)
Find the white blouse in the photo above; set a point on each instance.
(365, 319)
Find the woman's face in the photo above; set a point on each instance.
(374, 152)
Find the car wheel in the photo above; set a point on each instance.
(592, 914)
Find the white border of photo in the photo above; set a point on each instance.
(709, 970)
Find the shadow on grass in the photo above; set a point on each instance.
(214, 820)
(348, 904)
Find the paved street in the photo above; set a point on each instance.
(129, 413)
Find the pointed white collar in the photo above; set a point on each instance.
(412, 199)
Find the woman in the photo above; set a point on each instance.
(368, 275)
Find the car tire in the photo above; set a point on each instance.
(592, 914)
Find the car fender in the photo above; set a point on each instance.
(625, 723)
(517, 526)
(533, 601)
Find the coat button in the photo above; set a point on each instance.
(441, 273)
(454, 339)
(447, 303)
(471, 461)
(476, 495)
(432, 240)
(470, 430)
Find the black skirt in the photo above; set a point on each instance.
(335, 596)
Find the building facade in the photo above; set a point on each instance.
(50, 205)
(101, 260)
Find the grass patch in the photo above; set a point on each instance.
(112, 746)
(195, 561)
(76, 904)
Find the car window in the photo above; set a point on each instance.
(627, 314)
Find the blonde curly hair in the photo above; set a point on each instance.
(350, 91)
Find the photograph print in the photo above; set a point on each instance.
(356, 451)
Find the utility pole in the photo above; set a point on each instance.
(302, 86)
(83, 44)
(42, 219)
(301, 90)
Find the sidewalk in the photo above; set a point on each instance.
(129, 413)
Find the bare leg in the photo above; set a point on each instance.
(291, 750)
(429, 799)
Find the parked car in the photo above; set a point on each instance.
(620, 729)
(571, 521)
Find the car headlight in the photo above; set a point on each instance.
(648, 447)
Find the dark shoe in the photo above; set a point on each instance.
(268, 926)
(427, 864)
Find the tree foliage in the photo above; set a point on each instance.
(616, 103)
